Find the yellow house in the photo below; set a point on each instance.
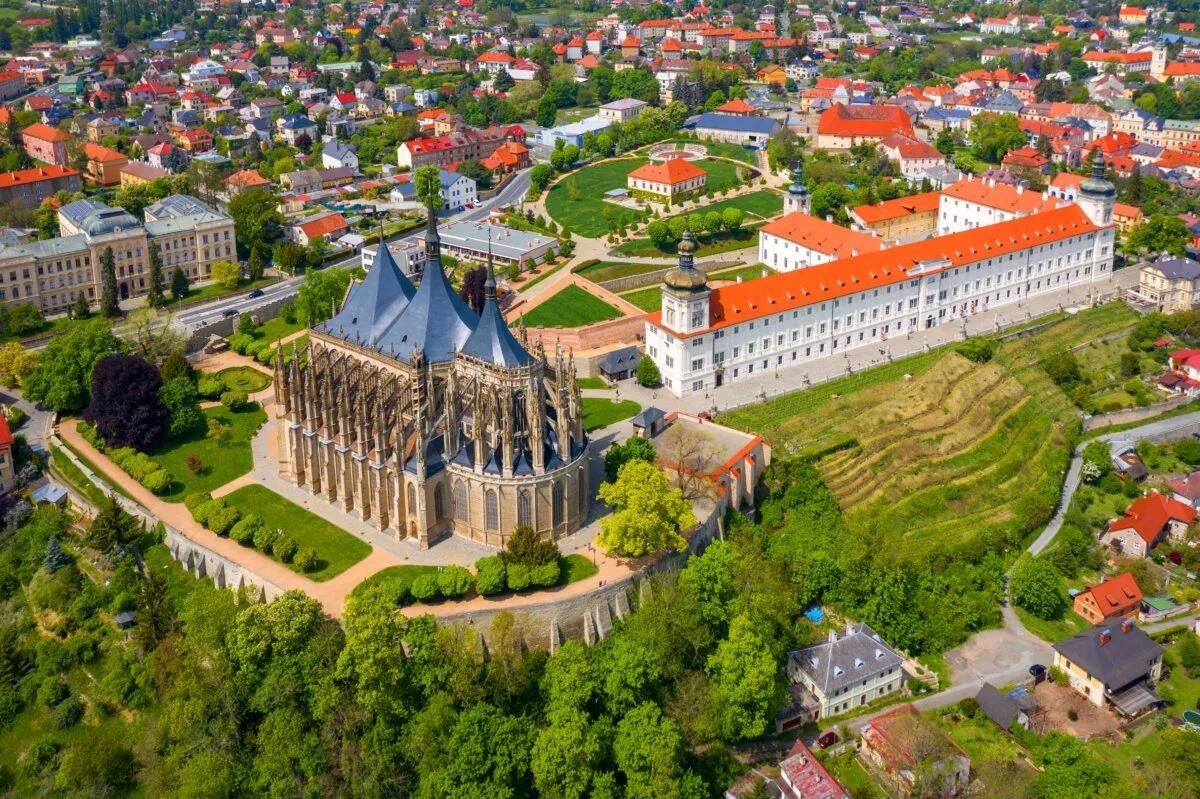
(773, 75)
(1112, 663)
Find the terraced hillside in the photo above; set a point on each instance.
(937, 450)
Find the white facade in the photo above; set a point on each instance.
(957, 212)
(693, 358)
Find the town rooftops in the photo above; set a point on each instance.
(744, 124)
(35, 174)
(821, 236)
(1001, 196)
(323, 226)
(1115, 652)
(864, 120)
(1116, 594)
(1175, 268)
(1188, 487)
(884, 210)
(671, 172)
(752, 299)
(1148, 515)
(845, 659)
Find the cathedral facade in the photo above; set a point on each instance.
(427, 419)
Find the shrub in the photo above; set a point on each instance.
(222, 520)
(240, 342)
(526, 547)
(158, 481)
(979, 349)
(15, 416)
(68, 713)
(10, 705)
(202, 512)
(195, 465)
(52, 691)
(546, 575)
(453, 581)
(265, 355)
(192, 501)
(490, 575)
(306, 559)
(518, 577)
(233, 400)
(243, 532)
(210, 386)
(424, 587)
(284, 548)
(91, 436)
(265, 538)
(254, 348)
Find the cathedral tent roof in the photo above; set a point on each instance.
(375, 303)
(492, 341)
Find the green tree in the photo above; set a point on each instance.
(742, 671)
(634, 448)
(731, 219)
(109, 302)
(82, 310)
(61, 379)
(540, 176)
(993, 135)
(647, 373)
(828, 200)
(256, 266)
(372, 661)
(97, 765)
(182, 401)
(256, 219)
(155, 613)
(486, 755)
(648, 513)
(659, 233)
(427, 184)
(648, 750)
(227, 274)
(713, 578)
(565, 756)
(179, 284)
(570, 679)
(1158, 234)
(154, 296)
(321, 292)
(112, 528)
(630, 671)
(1036, 586)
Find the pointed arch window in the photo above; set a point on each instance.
(492, 510)
(461, 508)
(524, 508)
(439, 502)
(556, 503)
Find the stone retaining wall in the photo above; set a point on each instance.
(225, 327)
(201, 561)
(630, 282)
(627, 329)
(1134, 414)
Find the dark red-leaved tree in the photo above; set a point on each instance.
(125, 407)
(472, 288)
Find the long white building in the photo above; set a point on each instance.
(702, 337)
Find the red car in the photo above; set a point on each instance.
(827, 740)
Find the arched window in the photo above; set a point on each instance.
(439, 502)
(524, 514)
(491, 507)
(583, 495)
(412, 499)
(462, 511)
(556, 503)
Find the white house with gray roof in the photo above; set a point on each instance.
(849, 670)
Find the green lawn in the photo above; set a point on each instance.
(611, 270)
(576, 568)
(274, 329)
(222, 461)
(571, 307)
(586, 213)
(1184, 691)
(847, 770)
(1053, 630)
(763, 203)
(394, 575)
(648, 299)
(336, 549)
(752, 272)
(706, 244)
(601, 412)
(539, 278)
(593, 382)
(721, 150)
(244, 378)
(96, 471)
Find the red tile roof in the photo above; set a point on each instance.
(908, 147)
(34, 175)
(901, 206)
(864, 120)
(45, 133)
(735, 106)
(95, 152)
(323, 226)
(999, 195)
(781, 292)
(807, 777)
(671, 171)
(821, 236)
(1148, 516)
(1115, 595)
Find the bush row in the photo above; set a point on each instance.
(137, 465)
(250, 530)
(492, 576)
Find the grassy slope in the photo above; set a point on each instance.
(571, 307)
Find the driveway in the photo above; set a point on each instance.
(990, 654)
(40, 424)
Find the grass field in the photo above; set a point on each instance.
(244, 378)
(955, 452)
(751, 272)
(72, 475)
(587, 213)
(707, 244)
(223, 461)
(648, 299)
(274, 329)
(611, 270)
(1053, 630)
(576, 568)
(601, 412)
(571, 307)
(336, 549)
(763, 203)
(593, 382)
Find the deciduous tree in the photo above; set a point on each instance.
(125, 406)
(109, 302)
(1036, 586)
(742, 671)
(648, 513)
(62, 377)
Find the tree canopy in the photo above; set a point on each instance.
(62, 377)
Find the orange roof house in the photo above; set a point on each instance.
(671, 177)
(1000, 196)
(823, 240)
(735, 106)
(1146, 522)
(325, 227)
(244, 179)
(1116, 596)
(103, 165)
(44, 143)
(842, 126)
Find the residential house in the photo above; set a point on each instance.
(457, 191)
(1146, 522)
(906, 751)
(848, 670)
(1186, 489)
(100, 127)
(329, 227)
(103, 165)
(1114, 663)
(802, 776)
(1003, 709)
(28, 187)
(1115, 597)
(297, 128)
(137, 172)
(668, 180)
(1171, 283)
(914, 156)
(337, 154)
(44, 143)
(621, 110)
(244, 179)
(902, 219)
(266, 107)
(196, 140)
(508, 157)
(843, 126)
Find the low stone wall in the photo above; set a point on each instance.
(201, 561)
(627, 329)
(590, 617)
(630, 282)
(225, 327)
(1134, 414)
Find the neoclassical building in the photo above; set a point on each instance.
(427, 419)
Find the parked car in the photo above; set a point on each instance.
(228, 312)
(254, 295)
(827, 740)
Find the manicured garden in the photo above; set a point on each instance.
(720, 150)
(210, 457)
(244, 378)
(601, 412)
(706, 244)
(336, 550)
(570, 307)
(763, 203)
(601, 271)
(648, 299)
(749, 272)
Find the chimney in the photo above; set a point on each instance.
(853, 252)
(1020, 189)
(1126, 625)
(829, 218)
(1105, 636)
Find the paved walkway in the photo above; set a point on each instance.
(1164, 430)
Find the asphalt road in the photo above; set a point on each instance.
(203, 315)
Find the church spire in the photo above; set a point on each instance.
(489, 286)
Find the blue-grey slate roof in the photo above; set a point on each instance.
(1175, 268)
(373, 305)
(744, 124)
(491, 340)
